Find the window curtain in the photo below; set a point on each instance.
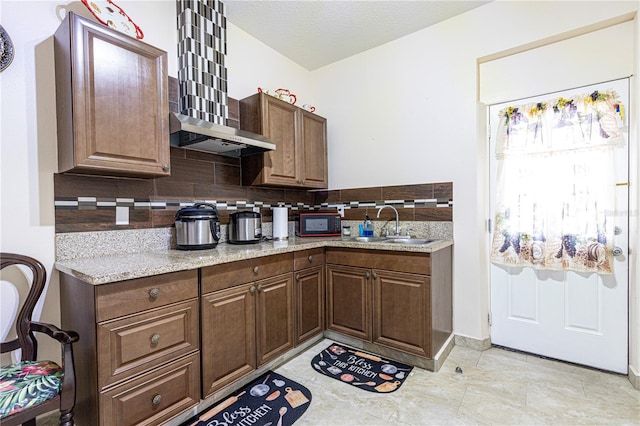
(555, 194)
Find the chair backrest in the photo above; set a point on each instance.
(25, 339)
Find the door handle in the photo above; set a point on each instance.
(617, 251)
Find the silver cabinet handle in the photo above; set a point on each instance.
(157, 399)
(297, 277)
(165, 167)
(153, 293)
(259, 288)
(310, 259)
(617, 251)
(375, 276)
(252, 289)
(155, 339)
(255, 269)
(367, 275)
(617, 230)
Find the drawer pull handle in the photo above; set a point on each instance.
(156, 400)
(297, 277)
(252, 289)
(375, 276)
(255, 269)
(310, 259)
(155, 339)
(153, 293)
(259, 288)
(367, 275)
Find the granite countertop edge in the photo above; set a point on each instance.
(108, 269)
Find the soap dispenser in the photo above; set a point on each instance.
(367, 228)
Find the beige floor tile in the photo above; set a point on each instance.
(495, 387)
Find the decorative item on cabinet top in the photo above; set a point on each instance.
(112, 15)
(287, 96)
(282, 94)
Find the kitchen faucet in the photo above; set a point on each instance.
(397, 231)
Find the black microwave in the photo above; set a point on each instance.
(318, 224)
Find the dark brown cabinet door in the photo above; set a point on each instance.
(300, 157)
(401, 311)
(228, 336)
(280, 124)
(274, 317)
(349, 301)
(314, 146)
(112, 101)
(309, 302)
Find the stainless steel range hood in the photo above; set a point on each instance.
(193, 133)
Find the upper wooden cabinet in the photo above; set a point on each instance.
(300, 158)
(112, 102)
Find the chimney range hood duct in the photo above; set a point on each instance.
(193, 133)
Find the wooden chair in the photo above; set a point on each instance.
(48, 386)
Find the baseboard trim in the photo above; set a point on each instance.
(473, 343)
(634, 378)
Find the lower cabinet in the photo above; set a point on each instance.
(349, 300)
(153, 398)
(153, 347)
(247, 317)
(308, 293)
(138, 357)
(400, 300)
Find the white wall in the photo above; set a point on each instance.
(28, 143)
(422, 121)
(405, 112)
(252, 64)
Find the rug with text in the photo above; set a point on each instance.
(270, 400)
(360, 369)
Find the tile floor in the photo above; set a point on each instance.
(496, 387)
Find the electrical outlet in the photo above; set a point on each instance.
(122, 215)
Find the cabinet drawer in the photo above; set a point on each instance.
(401, 261)
(153, 398)
(219, 277)
(131, 296)
(136, 343)
(308, 258)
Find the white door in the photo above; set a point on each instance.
(576, 317)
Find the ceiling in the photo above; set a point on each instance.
(315, 33)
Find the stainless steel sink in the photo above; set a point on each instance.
(391, 240)
(411, 241)
(367, 239)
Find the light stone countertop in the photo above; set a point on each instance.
(112, 268)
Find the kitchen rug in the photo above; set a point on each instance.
(270, 400)
(360, 369)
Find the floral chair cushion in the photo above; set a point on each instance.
(28, 383)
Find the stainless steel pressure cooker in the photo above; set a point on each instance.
(197, 227)
(245, 227)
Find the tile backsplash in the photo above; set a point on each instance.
(87, 203)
